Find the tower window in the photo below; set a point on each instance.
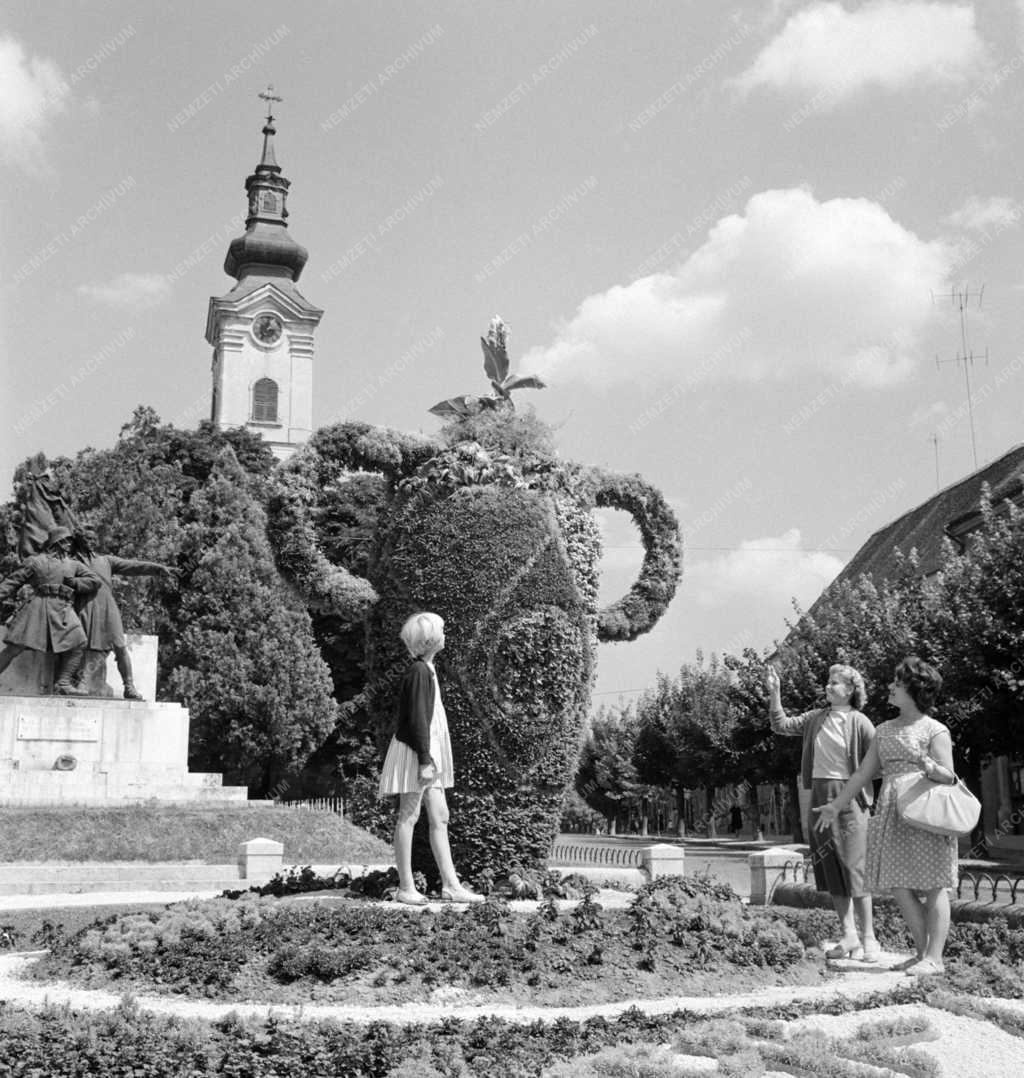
(264, 401)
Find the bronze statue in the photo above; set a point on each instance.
(98, 610)
(47, 621)
(43, 506)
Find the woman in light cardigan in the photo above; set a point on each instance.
(836, 739)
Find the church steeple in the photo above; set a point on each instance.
(266, 249)
(262, 331)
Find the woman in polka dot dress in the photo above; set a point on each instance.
(917, 867)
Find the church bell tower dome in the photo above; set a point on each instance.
(266, 245)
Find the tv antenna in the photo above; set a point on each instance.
(961, 299)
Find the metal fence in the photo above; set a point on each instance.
(321, 804)
(995, 887)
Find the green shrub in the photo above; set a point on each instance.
(620, 1061)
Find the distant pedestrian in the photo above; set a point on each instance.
(418, 766)
(735, 820)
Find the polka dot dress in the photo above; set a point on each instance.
(899, 855)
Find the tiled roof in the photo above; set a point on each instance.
(924, 527)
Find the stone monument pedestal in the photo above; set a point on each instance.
(97, 750)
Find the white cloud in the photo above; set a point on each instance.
(928, 414)
(979, 214)
(891, 44)
(766, 574)
(791, 285)
(130, 290)
(32, 91)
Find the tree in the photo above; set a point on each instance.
(686, 731)
(979, 619)
(606, 777)
(244, 659)
(136, 496)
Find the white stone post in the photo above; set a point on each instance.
(767, 868)
(663, 860)
(259, 858)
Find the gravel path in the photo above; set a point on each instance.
(965, 1046)
(445, 1002)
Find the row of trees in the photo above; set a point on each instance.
(707, 726)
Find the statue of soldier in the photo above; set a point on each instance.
(98, 610)
(47, 621)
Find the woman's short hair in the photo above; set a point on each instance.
(422, 633)
(853, 678)
(921, 680)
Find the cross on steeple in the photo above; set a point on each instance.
(268, 95)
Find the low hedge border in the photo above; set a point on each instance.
(806, 896)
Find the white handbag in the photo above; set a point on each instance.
(938, 807)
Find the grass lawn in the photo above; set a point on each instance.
(210, 834)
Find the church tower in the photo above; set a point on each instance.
(262, 330)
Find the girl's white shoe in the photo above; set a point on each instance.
(460, 894)
(410, 898)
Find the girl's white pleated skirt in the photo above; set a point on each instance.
(400, 773)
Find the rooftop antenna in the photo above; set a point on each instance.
(961, 299)
(934, 439)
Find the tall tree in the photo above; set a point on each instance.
(244, 659)
(686, 730)
(606, 777)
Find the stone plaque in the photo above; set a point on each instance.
(58, 728)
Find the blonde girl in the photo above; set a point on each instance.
(418, 766)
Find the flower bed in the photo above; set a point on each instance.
(675, 938)
(679, 937)
(127, 1042)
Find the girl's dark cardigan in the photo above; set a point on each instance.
(415, 709)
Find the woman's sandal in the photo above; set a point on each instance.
(925, 967)
(841, 950)
(872, 952)
(410, 898)
(902, 967)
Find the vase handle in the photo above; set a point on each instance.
(641, 607)
(297, 489)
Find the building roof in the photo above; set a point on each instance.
(924, 527)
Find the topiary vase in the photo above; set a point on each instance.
(507, 553)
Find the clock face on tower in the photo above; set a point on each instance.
(267, 328)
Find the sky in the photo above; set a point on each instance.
(732, 238)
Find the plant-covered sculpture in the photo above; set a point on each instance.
(496, 367)
(502, 545)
